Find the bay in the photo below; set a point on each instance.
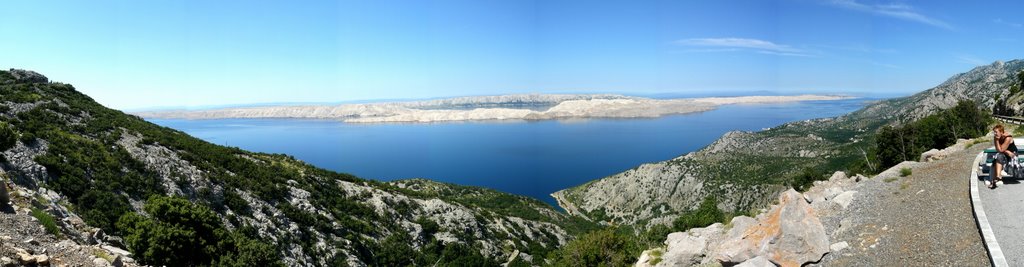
(532, 158)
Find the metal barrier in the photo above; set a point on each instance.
(1008, 119)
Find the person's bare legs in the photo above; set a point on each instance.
(996, 174)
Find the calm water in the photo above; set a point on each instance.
(533, 158)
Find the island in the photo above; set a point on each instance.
(503, 107)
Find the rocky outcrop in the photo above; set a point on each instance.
(27, 76)
(26, 243)
(788, 234)
(937, 154)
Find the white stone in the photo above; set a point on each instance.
(839, 246)
(759, 261)
(845, 198)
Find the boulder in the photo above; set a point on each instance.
(845, 198)
(759, 261)
(690, 248)
(932, 155)
(26, 258)
(7, 262)
(119, 261)
(100, 262)
(790, 234)
(42, 260)
(838, 176)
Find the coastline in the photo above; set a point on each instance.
(565, 107)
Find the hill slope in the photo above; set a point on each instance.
(112, 170)
(745, 170)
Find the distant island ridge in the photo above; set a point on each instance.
(501, 107)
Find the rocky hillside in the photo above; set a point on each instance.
(107, 171)
(885, 220)
(745, 170)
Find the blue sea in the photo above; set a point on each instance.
(532, 158)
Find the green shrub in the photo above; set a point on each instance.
(904, 172)
(182, 233)
(707, 214)
(8, 137)
(47, 220)
(805, 179)
(604, 247)
(902, 143)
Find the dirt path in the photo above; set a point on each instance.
(924, 219)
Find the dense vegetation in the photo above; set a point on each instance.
(1014, 95)
(181, 233)
(906, 142)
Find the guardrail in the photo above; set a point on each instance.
(1008, 119)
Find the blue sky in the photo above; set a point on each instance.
(139, 54)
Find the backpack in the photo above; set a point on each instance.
(1015, 169)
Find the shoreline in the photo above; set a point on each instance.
(565, 107)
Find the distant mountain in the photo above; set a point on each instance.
(745, 170)
(501, 107)
(113, 171)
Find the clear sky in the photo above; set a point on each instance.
(139, 54)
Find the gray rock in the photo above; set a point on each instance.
(100, 262)
(118, 261)
(832, 192)
(790, 235)
(759, 261)
(845, 198)
(42, 260)
(28, 76)
(690, 248)
(839, 246)
(116, 250)
(7, 262)
(26, 258)
(838, 176)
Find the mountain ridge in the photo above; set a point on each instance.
(745, 170)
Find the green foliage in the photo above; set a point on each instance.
(604, 247)
(897, 144)
(182, 233)
(904, 172)
(8, 137)
(806, 178)
(706, 214)
(47, 220)
(396, 251)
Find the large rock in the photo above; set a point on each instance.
(690, 248)
(788, 235)
(845, 198)
(759, 261)
(28, 76)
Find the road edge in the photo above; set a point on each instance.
(995, 253)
